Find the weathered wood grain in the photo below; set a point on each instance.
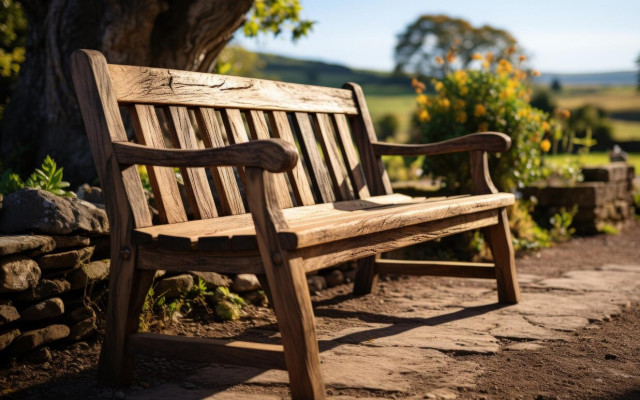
(493, 142)
(126, 208)
(335, 165)
(350, 156)
(163, 180)
(297, 176)
(157, 256)
(454, 269)
(223, 177)
(316, 166)
(260, 130)
(274, 155)
(195, 179)
(289, 289)
(364, 135)
(234, 352)
(167, 87)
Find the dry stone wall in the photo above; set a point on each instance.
(604, 198)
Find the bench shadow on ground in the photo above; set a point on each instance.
(239, 374)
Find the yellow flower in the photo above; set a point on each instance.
(564, 114)
(439, 60)
(422, 100)
(483, 127)
(417, 85)
(479, 110)
(424, 116)
(511, 50)
(504, 67)
(464, 91)
(460, 75)
(522, 58)
(459, 104)
(545, 145)
(439, 86)
(545, 126)
(485, 65)
(488, 56)
(445, 104)
(461, 117)
(476, 56)
(535, 72)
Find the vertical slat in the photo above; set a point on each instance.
(163, 180)
(236, 132)
(317, 169)
(223, 177)
(259, 130)
(364, 135)
(195, 179)
(337, 171)
(297, 177)
(350, 156)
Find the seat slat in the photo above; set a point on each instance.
(317, 169)
(308, 226)
(356, 173)
(260, 130)
(163, 180)
(297, 177)
(337, 171)
(195, 179)
(223, 177)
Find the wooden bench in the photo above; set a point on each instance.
(329, 203)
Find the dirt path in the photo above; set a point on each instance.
(575, 335)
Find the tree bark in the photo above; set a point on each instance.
(43, 116)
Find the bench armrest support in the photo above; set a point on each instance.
(273, 155)
(492, 142)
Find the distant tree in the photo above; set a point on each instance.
(43, 117)
(432, 37)
(556, 86)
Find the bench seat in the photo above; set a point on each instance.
(318, 224)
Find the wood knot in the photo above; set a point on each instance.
(276, 258)
(125, 253)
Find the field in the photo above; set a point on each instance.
(588, 159)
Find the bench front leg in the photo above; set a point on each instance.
(498, 236)
(289, 290)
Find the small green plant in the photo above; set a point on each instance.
(10, 182)
(228, 304)
(561, 229)
(49, 177)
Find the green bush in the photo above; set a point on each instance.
(494, 98)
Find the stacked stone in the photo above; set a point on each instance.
(603, 199)
(51, 268)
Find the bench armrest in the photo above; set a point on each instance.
(492, 142)
(273, 155)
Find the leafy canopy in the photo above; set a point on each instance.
(432, 38)
(271, 16)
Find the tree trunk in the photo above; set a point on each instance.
(43, 116)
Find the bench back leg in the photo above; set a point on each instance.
(366, 278)
(499, 240)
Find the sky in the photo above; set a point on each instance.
(564, 36)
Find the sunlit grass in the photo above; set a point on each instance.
(625, 130)
(402, 106)
(590, 159)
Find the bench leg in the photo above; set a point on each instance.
(128, 288)
(292, 305)
(366, 278)
(499, 240)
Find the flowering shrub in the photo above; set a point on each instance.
(492, 98)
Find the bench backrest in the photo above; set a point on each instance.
(187, 110)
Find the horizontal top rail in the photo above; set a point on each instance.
(168, 87)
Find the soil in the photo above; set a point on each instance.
(600, 361)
